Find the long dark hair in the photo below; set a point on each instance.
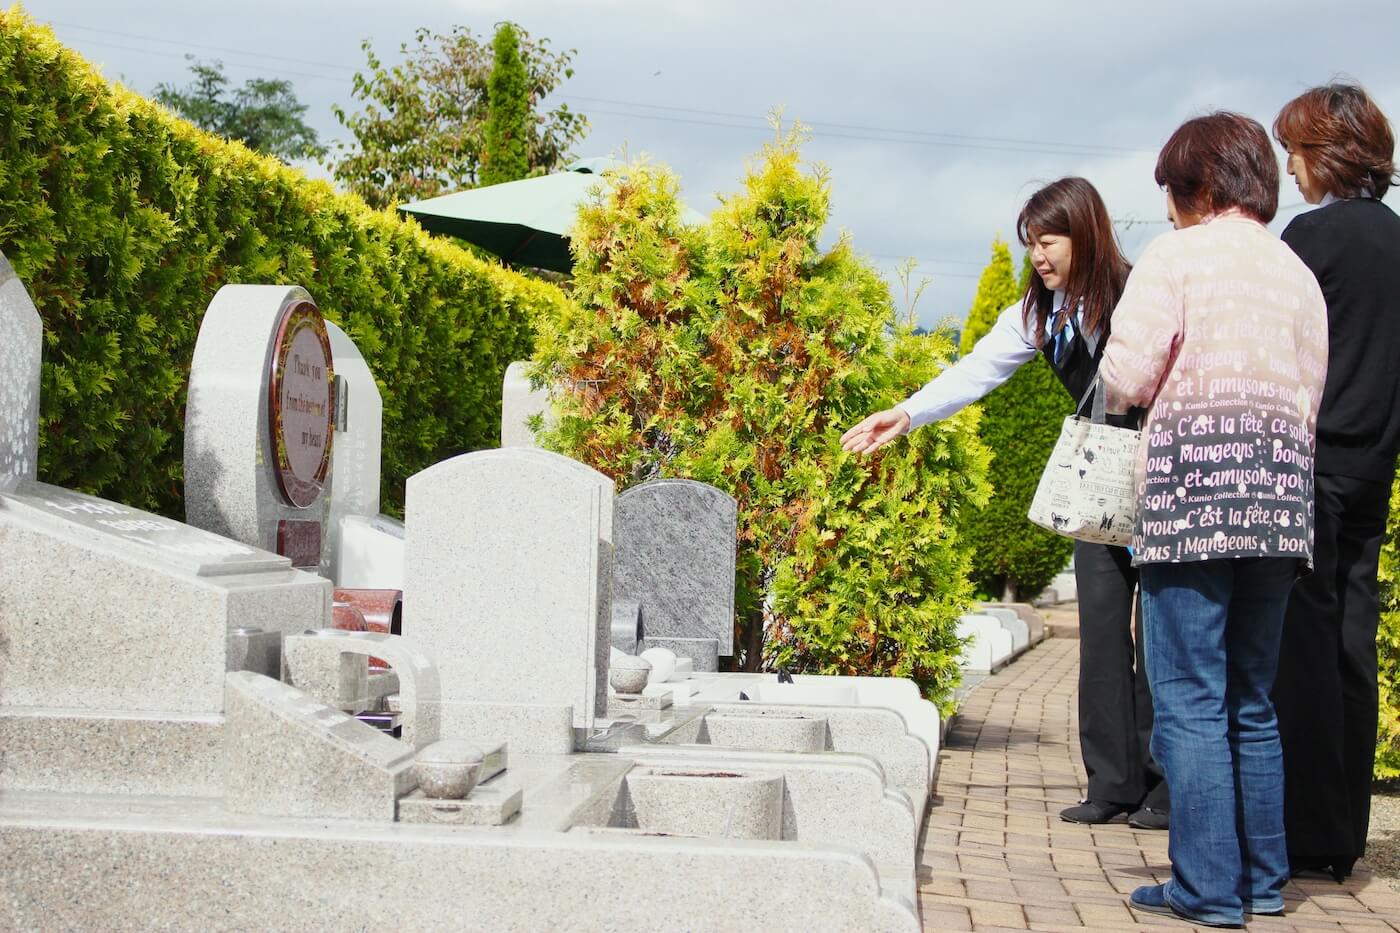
(1072, 207)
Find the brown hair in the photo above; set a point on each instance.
(1220, 161)
(1343, 137)
(1072, 207)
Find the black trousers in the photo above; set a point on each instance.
(1325, 693)
(1115, 703)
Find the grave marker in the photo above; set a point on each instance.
(260, 421)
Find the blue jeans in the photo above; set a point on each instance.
(1212, 631)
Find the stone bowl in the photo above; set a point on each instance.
(449, 769)
(628, 674)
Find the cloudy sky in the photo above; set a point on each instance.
(936, 119)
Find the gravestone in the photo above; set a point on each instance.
(355, 455)
(507, 563)
(519, 403)
(21, 342)
(675, 556)
(260, 420)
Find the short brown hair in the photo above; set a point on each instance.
(1343, 137)
(1220, 161)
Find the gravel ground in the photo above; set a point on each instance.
(1383, 843)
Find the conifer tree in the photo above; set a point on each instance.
(736, 353)
(506, 156)
(1014, 559)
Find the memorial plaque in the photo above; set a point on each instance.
(300, 542)
(177, 545)
(302, 403)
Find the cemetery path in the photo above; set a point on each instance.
(996, 856)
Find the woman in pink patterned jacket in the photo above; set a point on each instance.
(1221, 334)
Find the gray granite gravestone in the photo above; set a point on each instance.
(506, 569)
(675, 555)
(259, 422)
(355, 455)
(21, 341)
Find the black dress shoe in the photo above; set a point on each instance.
(1149, 818)
(1094, 811)
(1337, 866)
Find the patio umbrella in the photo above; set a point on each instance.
(524, 222)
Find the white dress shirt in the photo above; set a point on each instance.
(993, 360)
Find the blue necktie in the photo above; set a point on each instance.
(1064, 337)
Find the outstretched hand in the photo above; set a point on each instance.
(876, 431)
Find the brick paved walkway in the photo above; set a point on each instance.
(996, 855)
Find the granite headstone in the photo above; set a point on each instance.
(675, 556)
(21, 342)
(355, 456)
(260, 420)
(520, 402)
(506, 570)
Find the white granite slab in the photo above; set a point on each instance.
(506, 568)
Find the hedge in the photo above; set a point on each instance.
(737, 352)
(1388, 647)
(124, 220)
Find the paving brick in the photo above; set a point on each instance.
(996, 856)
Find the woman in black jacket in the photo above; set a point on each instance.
(1340, 151)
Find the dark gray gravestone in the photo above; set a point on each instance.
(21, 340)
(674, 554)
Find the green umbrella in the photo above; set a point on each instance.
(525, 222)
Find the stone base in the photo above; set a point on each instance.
(703, 652)
(83, 751)
(492, 804)
(84, 864)
(622, 703)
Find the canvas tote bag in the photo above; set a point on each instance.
(1087, 489)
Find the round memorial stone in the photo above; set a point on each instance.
(301, 403)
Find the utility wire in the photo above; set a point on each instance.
(820, 128)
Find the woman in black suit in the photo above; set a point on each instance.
(1340, 153)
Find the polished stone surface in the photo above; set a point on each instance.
(371, 552)
(21, 344)
(492, 804)
(828, 799)
(675, 555)
(285, 754)
(519, 403)
(355, 456)
(108, 608)
(627, 625)
(230, 483)
(777, 730)
(135, 864)
(121, 752)
(704, 802)
(703, 653)
(315, 665)
(506, 568)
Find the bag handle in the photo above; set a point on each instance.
(1096, 414)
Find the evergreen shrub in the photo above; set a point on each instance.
(1020, 424)
(124, 221)
(736, 353)
(1388, 647)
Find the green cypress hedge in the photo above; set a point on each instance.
(124, 221)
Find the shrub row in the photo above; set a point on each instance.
(124, 221)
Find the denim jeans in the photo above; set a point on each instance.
(1212, 632)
